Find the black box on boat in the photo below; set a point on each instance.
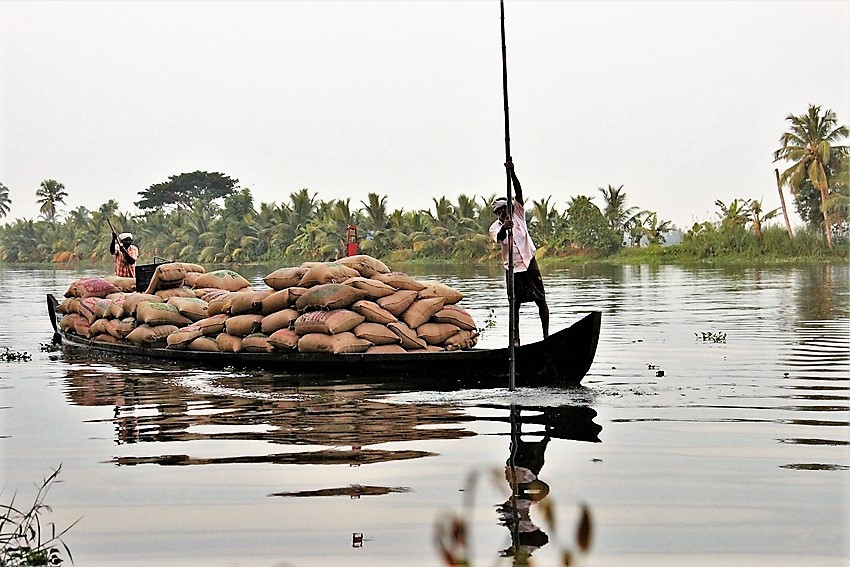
(144, 273)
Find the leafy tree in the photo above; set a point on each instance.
(758, 217)
(5, 201)
(587, 227)
(808, 145)
(50, 193)
(656, 230)
(180, 191)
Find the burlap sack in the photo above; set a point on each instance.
(68, 322)
(295, 294)
(222, 279)
(91, 287)
(279, 320)
(373, 312)
(346, 343)
(462, 340)
(284, 339)
(181, 291)
(182, 337)
(329, 296)
(409, 339)
(209, 293)
(385, 349)
(106, 338)
(152, 314)
(330, 322)
(243, 325)
(120, 328)
(132, 301)
(193, 268)
(257, 342)
(116, 308)
(166, 276)
(436, 333)
(247, 302)
(336, 344)
(456, 316)
(191, 279)
(399, 280)
(68, 305)
(373, 288)
(212, 325)
(204, 344)
(275, 301)
(146, 335)
(366, 265)
(99, 327)
(190, 307)
(127, 285)
(86, 308)
(437, 289)
(284, 278)
(376, 334)
(219, 304)
(326, 272)
(421, 310)
(228, 343)
(102, 308)
(398, 302)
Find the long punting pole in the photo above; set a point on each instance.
(511, 315)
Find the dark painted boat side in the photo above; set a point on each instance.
(561, 359)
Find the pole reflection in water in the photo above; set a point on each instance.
(522, 470)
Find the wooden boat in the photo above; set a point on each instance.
(561, 359)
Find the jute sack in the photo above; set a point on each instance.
(222, 279)
(373, 312)
(181, 291)
(212, 325)
(191, 279)
(219, 304)
(182, 337)
(366, 265)
(120, 328)
(257, 342)
(399, 280)
(131, 302)
(193, 268)
(82, 327)
(102, 308)
(99, 327)
(204, 344)
(66, 323)
(436, 333)
(190, 307)
(284, 339)
(284, 278)
(228, 343)
(86, 308)
(398, 302)
(91, 287)
(279, 320)
(373, 288)
(68, 305)
(326, 272)
(385, 349)
(421, 310)
(166, 276)
(329, 296)
(106, 338)
(127, 285)
(243, 325)
(295, 294)
(456, 316)
(247, 302)
(439, 289)
(274, 302)
(342, 343)
(209, 293)
(146, 335)
(151, 313)
(330, 322)
(461, 340)
(376, 334)
(116, 308)
(409, 339)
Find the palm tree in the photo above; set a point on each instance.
(737, 213)
(655, 230)
(807, 145)
(758, 217)
(5, 201)
(50, 193)
(615, 210)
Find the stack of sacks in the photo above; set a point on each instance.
(354, 305)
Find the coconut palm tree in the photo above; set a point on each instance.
(807, 145)
(615, 211)
(50, 193)
(5, 201)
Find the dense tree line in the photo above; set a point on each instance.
(207, 218)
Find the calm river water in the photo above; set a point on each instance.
(686, 448)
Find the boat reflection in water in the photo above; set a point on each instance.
(328, 425)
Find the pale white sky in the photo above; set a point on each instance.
(681, 102)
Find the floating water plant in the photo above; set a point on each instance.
(711, 337)
(8, 355)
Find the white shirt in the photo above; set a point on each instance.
(523, 246)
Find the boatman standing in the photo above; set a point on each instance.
(125, 254)
(528, 283)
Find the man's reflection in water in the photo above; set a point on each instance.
(522, 470)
